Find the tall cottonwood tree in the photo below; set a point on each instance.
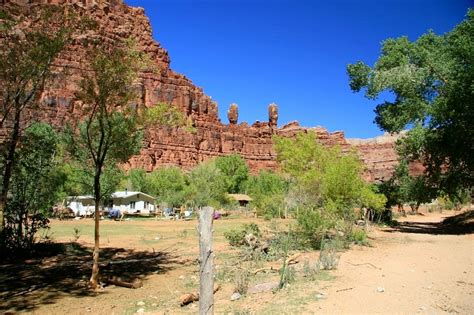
(109, 133)
(112, 129)
(27, 53)
(432, 81)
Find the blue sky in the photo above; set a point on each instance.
(293, 53)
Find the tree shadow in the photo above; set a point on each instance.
(63, 269)
(462, 223)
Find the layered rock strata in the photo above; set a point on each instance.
(160, 84)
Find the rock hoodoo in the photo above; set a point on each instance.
(117, 21)
(273, 115)
(233, 114)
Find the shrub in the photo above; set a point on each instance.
(328, 257)
(312, 226)
(237, 237)
(241, 281)
(359, 237)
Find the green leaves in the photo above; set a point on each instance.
(359, 74)
(322, 177)
(235, 170)
(432, 80)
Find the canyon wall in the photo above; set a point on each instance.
(176, 146)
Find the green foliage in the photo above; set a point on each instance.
(235, 171)
(431, 79)
(110, 132)
(138, 181)
(359, 237)
(312, 226)
(27, 51)
(206, 186)
(35, 183)
(236, 237)
(372, 198)
(455, 200)
(322, 177)
(403, 188)
(164, 115)
(268, 191)
(325, 186)
(168, 184)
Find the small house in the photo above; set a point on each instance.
(127, 202)
(242, 199)
(132, 202)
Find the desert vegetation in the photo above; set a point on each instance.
(301, 216)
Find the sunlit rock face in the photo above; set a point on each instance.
(160, 84)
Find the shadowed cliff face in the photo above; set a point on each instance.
(116, 21)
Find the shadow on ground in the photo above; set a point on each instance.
(462, 223)
(64, 269)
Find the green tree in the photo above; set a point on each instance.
(325, 177)
(235, 170)
(138, 181)
(268, 191)
(109, 134)
(431, 80)
(168, 184)
(206, 186)
(36, 181)
(303, 159)
(112, 131)
(27, 52)
(402, 188)
(326, 185)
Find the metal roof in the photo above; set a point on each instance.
(240, 197)
(126, 194)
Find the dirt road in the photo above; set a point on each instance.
(412, 269)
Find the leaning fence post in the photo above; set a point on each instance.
(206, 280)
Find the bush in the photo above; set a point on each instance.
(241, 281)
(359, 237)
(328, 257)
(237, 237)
(312, 226)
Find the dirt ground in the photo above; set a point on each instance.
(416, 267)
(418, 270)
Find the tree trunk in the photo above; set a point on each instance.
(206, 281)
(94, 281)
(8, 170)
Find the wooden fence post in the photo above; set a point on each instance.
(206, 255)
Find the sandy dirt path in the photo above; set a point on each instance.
(414, 271)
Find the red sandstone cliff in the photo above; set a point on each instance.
(117, 21)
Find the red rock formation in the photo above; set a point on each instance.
(233, 114)
(273, 115)
(117, 21)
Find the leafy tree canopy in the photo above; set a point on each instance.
(432, 80)
(323, 177)
(235, 170)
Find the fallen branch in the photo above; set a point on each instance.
(346, 289)
(372, 265)
(293, 259)
(189, 298)
(137, 283)
(271, 269)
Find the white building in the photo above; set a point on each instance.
(132, 202)
(82, 206)
(127, 202)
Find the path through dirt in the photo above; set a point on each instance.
(412, 269)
